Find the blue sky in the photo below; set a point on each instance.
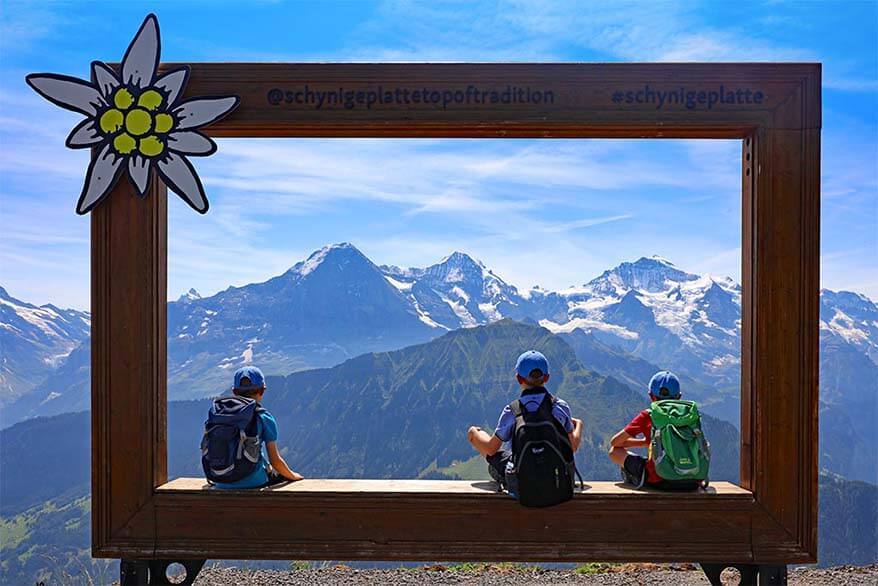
(553, 213)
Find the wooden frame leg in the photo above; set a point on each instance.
(155, 572)
(751, 574)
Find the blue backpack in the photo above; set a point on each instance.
(231, 447)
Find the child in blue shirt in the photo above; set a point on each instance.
(532, 373)
(250, 383)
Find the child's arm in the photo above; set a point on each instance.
(278, 463)
(486, 445)
(575, 435)
(623, 440)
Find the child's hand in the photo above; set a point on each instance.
(295, 476)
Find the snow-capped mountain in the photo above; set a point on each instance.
(334, 305)
(848, 383)
(337, 304)
(458, 291)
(850, 317)
(660, 313)
(65, 390)
(34, 341)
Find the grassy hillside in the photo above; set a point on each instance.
(56, 534)
(51, 542)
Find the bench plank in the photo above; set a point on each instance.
(446, 487)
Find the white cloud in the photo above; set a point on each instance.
(256, 184)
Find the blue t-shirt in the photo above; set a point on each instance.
(266, 428)
(531, 402)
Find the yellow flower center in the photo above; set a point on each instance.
(138, 122)
(123, 98)
(163, 123)
(124, 143)
(150, 99)
(111, 121)
(151, 146)
(135, 123)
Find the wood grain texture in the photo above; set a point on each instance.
(485, 489)
(129, 400)
(135, 514)
(444, 525)
(749, 146)
(783, 357)
(582, 103)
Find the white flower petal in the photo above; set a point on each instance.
(142, 57)
(138, 170)
(104, 79)
(68, 92)
(203, 111)
(84, 135)
(173, 83)
(190, 142)
(103, 172)
(181, 178)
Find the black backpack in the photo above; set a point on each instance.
(230, 447)
(544, 471)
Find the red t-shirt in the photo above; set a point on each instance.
(642, 424)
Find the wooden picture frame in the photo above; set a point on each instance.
(136, 515)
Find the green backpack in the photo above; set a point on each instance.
(678, 447)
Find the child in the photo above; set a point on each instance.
(532, 373)
(636, 469)
(237, 420)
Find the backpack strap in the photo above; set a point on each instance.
(518, 412)
(548, 410)
(578, 475)
(254, 424)
(516, 408)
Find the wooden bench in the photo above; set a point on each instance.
(342, 519)
(443, 488)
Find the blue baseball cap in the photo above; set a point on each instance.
(249, 378)
(665, 385)
(530, 361)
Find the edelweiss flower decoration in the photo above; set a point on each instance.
(137, 121)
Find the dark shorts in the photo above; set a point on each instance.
(497, 465)
(634, 470)
(634, 473)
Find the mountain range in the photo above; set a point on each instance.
(400, 414)
(34, 342)
(397, 414)
(397, 362)
(337, 304)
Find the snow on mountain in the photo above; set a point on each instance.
(459, 291)
(848, 383)
(33, 341)
(851, 317)
(65, 390)
(337, 304)
(649, 308)
(647, 274)
(660, 313)
(334, 305)
(191, 295)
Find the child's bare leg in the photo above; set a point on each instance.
(618, 454)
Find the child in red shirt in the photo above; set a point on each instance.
(636, 469)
